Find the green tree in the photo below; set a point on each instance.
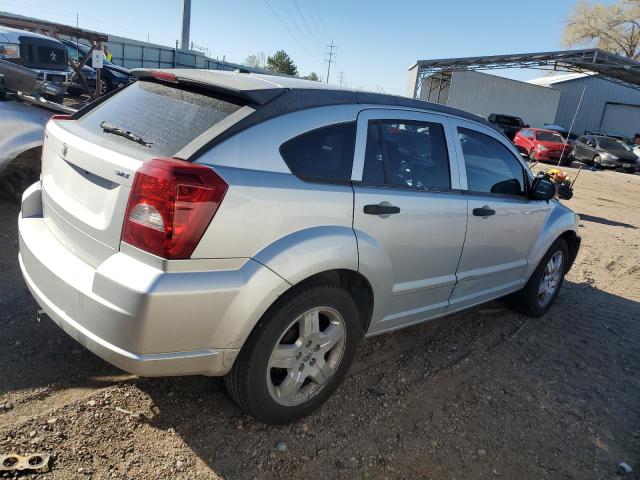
(313, 76)
(614, 28)
(281, 62)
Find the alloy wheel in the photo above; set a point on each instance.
(306, 356)
(551, 279)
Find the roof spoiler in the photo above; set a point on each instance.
(227, 85)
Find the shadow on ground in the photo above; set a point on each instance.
(481, 391)
(605, 221)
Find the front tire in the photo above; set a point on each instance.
(536, 298)
(297, 355)
(597, 162)
(104, 87)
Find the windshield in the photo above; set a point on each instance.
(612, 143)
(512, 121)
(549, 137)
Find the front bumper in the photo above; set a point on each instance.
(142, 319)
(552, 155)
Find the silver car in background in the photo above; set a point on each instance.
(218, 223)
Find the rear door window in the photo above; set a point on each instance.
(324, 154)
(166, 117)
(406, 154)
(490, 166)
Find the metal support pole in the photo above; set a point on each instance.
(573, 121)
(186, 24)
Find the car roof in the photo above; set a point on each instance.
(544, 130)
(14, 34)
(264, 89)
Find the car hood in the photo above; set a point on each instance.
(551, 145)
(116, 68)
(621, 154)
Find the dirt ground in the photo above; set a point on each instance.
(483, 394)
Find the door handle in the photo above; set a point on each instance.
(378, 209)
(483, 212)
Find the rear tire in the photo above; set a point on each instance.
(104, 87)
(288, 367)
(536, 298)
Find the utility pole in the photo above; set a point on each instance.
(330, 60)
(341, 79)
(186, 24)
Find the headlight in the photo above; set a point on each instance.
(541, 148)
(9, 50)
(609, 156)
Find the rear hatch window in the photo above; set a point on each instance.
(87, 173)
(165, 117)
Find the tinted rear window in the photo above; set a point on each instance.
(506, 120)
(169, 118)
(325, 154)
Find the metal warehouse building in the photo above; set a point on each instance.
(605, 106)
(602, 89)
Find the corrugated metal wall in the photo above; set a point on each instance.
(485, 94)
(130, 53)
(599, 92)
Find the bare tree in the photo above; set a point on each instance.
(614, 28)
(256, 61)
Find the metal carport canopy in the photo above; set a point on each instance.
(609, 66)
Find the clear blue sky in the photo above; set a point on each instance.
(377, 40)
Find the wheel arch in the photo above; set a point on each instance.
(573, 243)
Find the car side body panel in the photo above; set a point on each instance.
(21, 129)
(558, 221)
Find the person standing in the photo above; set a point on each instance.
(107, 53)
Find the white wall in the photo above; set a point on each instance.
(483, 94)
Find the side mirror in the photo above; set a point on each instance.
(527, 126)
(542, 189)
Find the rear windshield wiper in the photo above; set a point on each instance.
(121, 132)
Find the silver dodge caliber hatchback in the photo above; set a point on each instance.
(256, 227)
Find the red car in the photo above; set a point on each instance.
(542, 145)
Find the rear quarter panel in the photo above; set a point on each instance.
(21, 129)
(296, 228)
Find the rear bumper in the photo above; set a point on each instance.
(144, 320)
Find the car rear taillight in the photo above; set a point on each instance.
(170, 206)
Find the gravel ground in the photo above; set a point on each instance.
(487, 393)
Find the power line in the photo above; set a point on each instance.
(303, 34)
(315, 24)
(326, 32)
(330, 60)
(290, 32)
(311, 33)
